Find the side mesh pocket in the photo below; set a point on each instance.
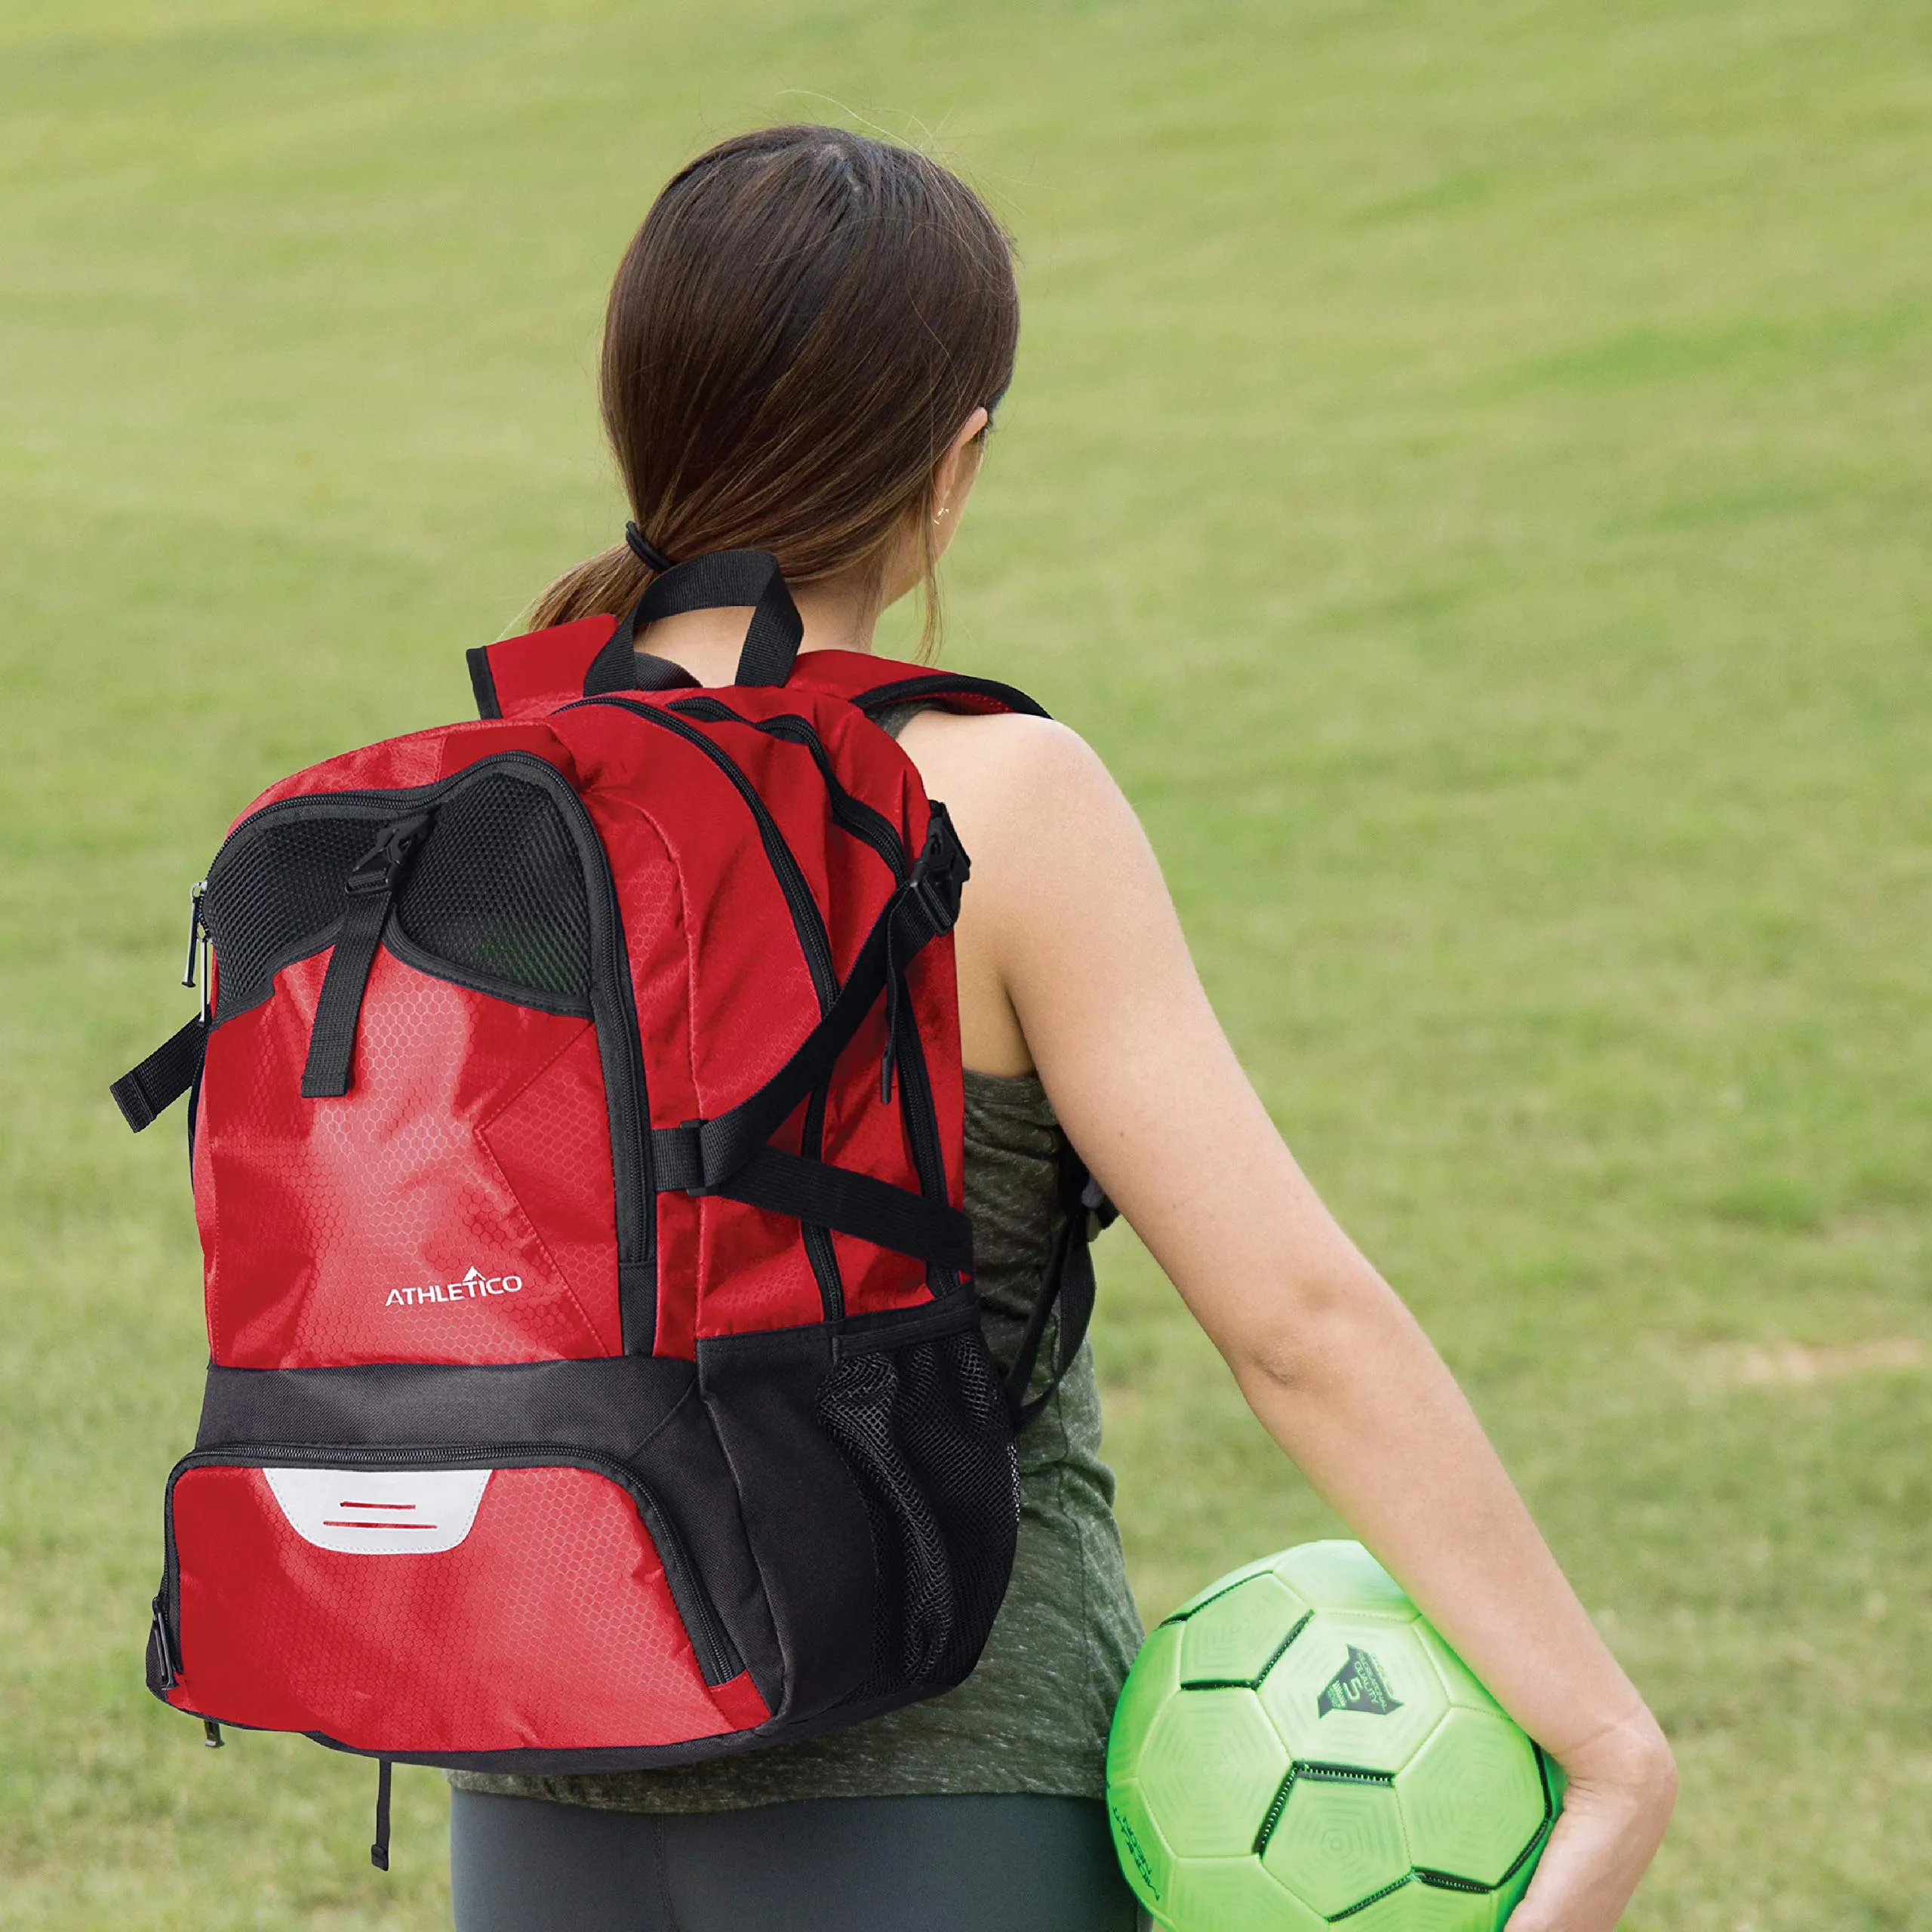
(924, 1429)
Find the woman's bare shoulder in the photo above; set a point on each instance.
(1057, 858)
(1007, 775)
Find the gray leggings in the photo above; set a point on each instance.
(994, 1863)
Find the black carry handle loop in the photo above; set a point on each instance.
(1069, 1287)
(720, 581)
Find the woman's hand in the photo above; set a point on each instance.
(1622, 1784)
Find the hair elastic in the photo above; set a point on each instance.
(646, 552)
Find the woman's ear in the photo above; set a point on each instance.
(953, 477)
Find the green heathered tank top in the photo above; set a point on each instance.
(1033, 1716)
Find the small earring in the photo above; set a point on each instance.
(940, 513)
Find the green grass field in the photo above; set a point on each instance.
(1468, 473)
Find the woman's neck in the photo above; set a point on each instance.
(838, 614)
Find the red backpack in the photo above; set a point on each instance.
(595, 1378)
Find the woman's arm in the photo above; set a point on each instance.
(1069, 927)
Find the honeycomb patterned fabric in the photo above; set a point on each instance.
(1033, 1716)
(556, 1563)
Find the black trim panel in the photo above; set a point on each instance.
(483, 682)
(615, 1404)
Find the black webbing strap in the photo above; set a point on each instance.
(379, 1852)
(722, 580)
(1084, 1211)
(925, 906)
(660, 674)
(730, 1154)
(371, 892)
(483, 682)
(614, 668)
(145, 1092)
(852, 1204)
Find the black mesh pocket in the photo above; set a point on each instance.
(498, 892)
(273, 895)
(495, 895)
(924, 1431)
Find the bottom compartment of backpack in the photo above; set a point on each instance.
(592, 1565)
(414, 1602)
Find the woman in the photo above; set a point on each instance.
(805, 344)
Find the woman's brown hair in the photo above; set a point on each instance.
(796, 334)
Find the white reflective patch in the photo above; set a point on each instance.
(382, 1513)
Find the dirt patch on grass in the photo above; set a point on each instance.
(1797, 1365)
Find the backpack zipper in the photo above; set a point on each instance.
(634, 1102)
(719, 1657)
(198, 945)
(806, 920)
(818, 1250)
(851, 814)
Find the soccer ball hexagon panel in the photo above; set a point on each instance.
(1156, 1677)
(1343, 1575)
(1295, 1746)
(1233, 1638)
(1144, 1855)
(1352, 1690)
(1473, 1797)
(1338, 1840)
(1465, 1688)
(1210, 1767)
(1222, 1585)
(1236, 1893)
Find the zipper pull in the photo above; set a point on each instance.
(196, 932)
(380, 869)
(162, 1672)
(211, 1733)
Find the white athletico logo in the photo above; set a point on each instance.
(473, 1285)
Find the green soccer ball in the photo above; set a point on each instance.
(1295, 1747)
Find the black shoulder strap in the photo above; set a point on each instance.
(1084, 1211)
(937, 686)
